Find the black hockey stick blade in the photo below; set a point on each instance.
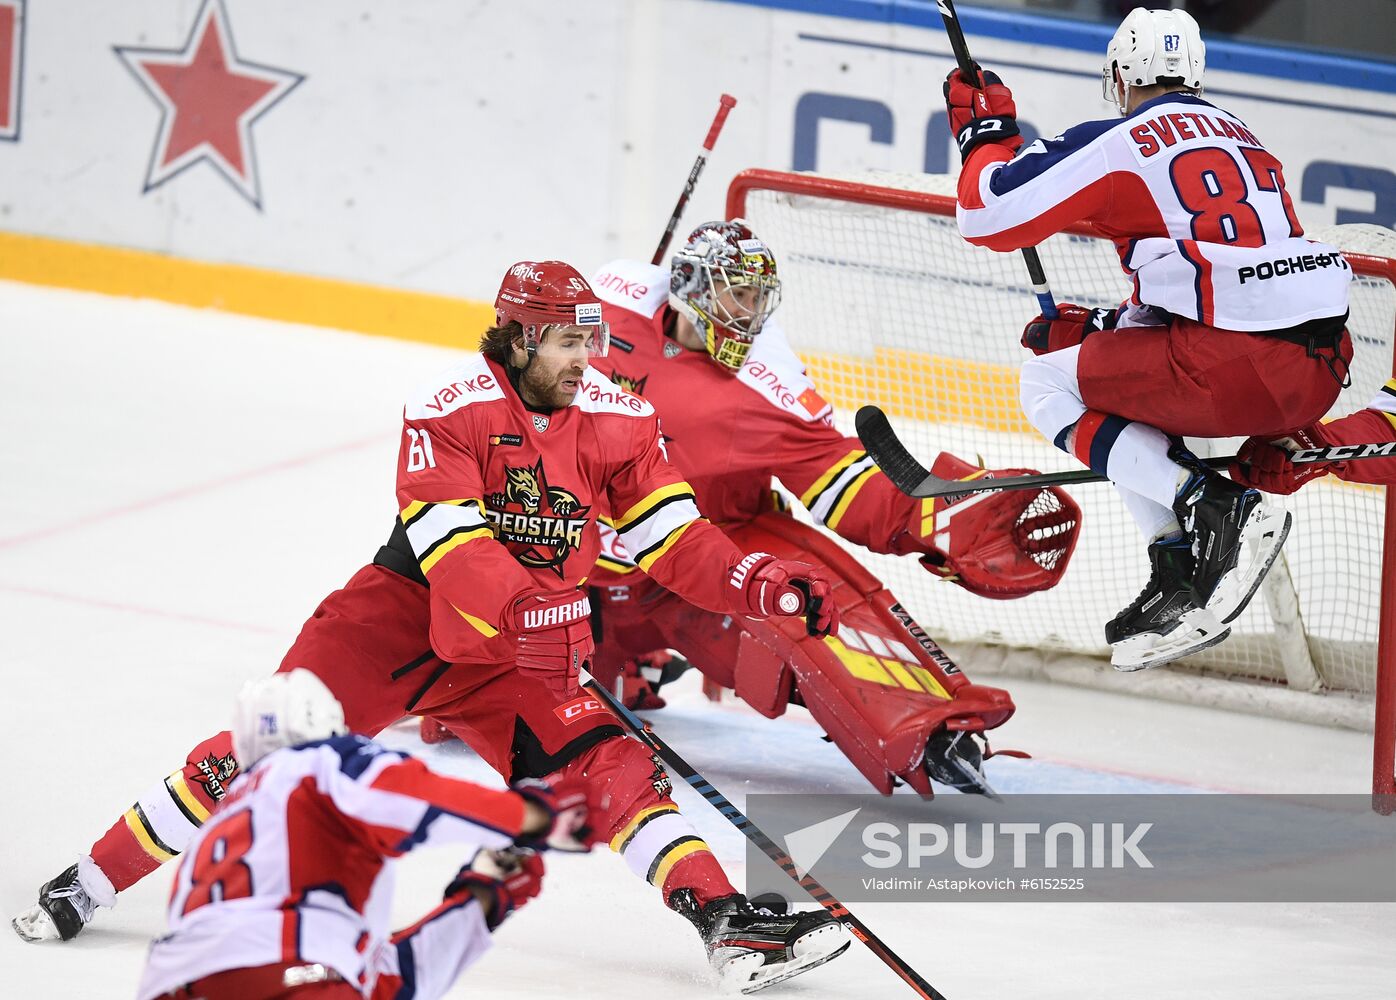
(915, 480)
(765, 844)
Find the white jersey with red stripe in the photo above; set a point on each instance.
(292, 867)
(1195, 205)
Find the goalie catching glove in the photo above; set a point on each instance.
(981, 114)
(1072, 325)
(1000, 545)
(771, 587)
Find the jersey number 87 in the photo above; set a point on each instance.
(1212, 189)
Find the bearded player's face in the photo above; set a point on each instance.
(560, 360)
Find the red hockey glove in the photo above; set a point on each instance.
(570, 803)
(554, 631)
(1073, 325)
(1000, 545)
(502, 881)
(1263, 465)
(771, 586)
(981, 114)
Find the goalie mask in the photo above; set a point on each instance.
(542, 295)
(724, 282)
(1000, 545)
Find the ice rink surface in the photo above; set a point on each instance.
(181, 487)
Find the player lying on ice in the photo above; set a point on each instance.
(1265, 465)
(285, 891)
(1235, 325)
(699, 342)
(472, 614)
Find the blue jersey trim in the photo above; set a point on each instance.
(1364, 72)
(1031, 164)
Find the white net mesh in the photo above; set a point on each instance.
(890, 306)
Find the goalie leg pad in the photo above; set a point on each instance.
(881, 687)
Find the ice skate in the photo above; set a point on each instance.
(1164, 622)
(1235, 538)
(954, 758)
(66, 904)
(751, 948)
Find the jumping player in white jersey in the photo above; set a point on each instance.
(1235, 325)
(285, 891)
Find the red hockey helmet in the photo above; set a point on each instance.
(724, 282)
(547, 293)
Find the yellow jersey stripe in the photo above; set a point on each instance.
(619, 568)
(1390, 416)
(640, 509)
(673, 857)
(180, 789)
(450, 543)
(136, 823)
(821, 484)
(653, 555)
(478, 624)
(412, 510)
(847, 499)
(619, 840)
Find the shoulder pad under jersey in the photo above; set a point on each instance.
(632, 284)
(776, 373)
(468, 381)
(598, 394)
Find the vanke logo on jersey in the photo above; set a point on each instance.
(540, 524)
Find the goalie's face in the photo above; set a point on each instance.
(731, 314)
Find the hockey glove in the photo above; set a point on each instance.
(981, 114)
(1265, 465)
(780, 587)
(554, 632)
(1000, 545)
(1073, 325)
(502, 881)
(571, 804)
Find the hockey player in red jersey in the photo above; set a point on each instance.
(1235, 325)
(285, 891)
(698, 340)
(472, 613)
(1264, 464)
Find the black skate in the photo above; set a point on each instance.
(1235, 539)
(1164, 623)
(751, 948)
(955, 759)
(63, 910)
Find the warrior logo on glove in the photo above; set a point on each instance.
(540, 524)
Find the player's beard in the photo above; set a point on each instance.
(551, 383)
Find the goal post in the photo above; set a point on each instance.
(887, 304)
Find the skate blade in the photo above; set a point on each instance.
(1197, 630)
(34, 924)
(976, 778)
(1262, 538)
(824, 944)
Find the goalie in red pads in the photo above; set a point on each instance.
(699, 342)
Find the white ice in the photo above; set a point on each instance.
(180, 487)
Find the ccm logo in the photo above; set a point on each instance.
(578, 709)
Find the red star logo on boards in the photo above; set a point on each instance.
(209, 98)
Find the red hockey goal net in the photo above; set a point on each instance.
(888, 305)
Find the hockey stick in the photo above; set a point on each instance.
(1036, 274)
(753, 833)
(915, 480)
(724, 106)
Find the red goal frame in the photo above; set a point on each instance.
(1384, 725)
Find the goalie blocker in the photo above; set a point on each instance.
(882, 689)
